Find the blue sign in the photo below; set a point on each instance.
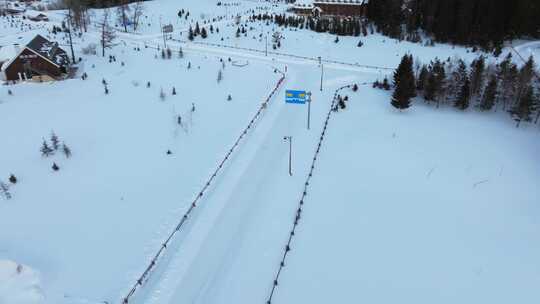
(293, 96)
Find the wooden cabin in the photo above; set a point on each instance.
(40, 58)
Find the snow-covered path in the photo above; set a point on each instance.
(234, 238)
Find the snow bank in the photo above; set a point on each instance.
(19, 284)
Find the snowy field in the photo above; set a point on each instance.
(425, 206)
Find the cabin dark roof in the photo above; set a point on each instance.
(49, 50)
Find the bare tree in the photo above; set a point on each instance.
(107, 32)
(137, 12)
(122, 12)
(69, 22)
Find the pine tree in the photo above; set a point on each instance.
(203, 33)
(457, 79)
(66, 150)
(490, 95)
(386, 85)
(524, 78)
(55, 167)
(55, 141)
(190, 34)
(46, 151)
(173, 91)
(464, 96)
(435, 82)
(507, 74)
(404, 84)
(523, 110)
(197, 29)
(219, 76)
(422, 78)
(477, 76)
(12, 179)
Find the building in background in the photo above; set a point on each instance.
(40, 59)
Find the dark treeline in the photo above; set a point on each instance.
(337, 26)
(108, 3)
(501, 87)
(486, 23)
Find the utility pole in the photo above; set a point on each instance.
(322, 74)
(289, 139)
(162, 33)
(309, 110)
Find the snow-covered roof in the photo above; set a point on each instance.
(34, 14)
(49, 50)
(7, 52)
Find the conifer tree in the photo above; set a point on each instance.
(46, 151)
(477, 75)
(190, 34)
(507, 74)
(404, 84)
(422, 78)
(219, 76)
(490, 94)
(464, 96)
(55, 141)
(522, 111)
(66, 150)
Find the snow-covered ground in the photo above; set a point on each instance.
(19, 284)
(423, 206)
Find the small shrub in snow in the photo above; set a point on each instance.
(55, 167)
(4, 190)
(106, 90)
(66, 150)
(46, 151)
(55, 141)
(229, 98)
(219, 76)
(355, 87)
(10, 92)
(162, 95)
(386, 84)
(12, 179)
(148, 84)
(173, 91)
(341, 103)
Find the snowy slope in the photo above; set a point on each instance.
(19, 284)
(424, 206)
